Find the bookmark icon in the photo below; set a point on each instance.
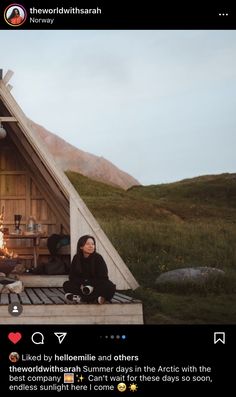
(219, 337)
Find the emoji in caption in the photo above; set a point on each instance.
(133, 387)
(121, 387)
(80, 378)
(69, 378)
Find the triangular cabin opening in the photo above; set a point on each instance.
(23, 190)
(32, 184)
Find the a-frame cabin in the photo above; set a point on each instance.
(32, 184)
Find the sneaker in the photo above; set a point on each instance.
(71, 298)
(77, 299)
(101, 300)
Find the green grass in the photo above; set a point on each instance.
(163, 227)
(193, 308)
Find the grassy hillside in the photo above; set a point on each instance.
(195, 199)
(162, 227)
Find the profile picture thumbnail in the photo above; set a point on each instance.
(15, 15)
(14, 357)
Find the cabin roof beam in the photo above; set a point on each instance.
(4, 119)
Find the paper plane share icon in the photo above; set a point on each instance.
(60, 336)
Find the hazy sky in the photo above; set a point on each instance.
(160, 105)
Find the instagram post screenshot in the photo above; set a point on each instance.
(117, 197)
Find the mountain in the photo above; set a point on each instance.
(68, 157)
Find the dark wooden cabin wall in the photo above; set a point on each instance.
(19, 194)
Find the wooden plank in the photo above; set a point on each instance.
(49, 292)
(73, 320)
(115, 300)
(28, 212)
(7, 119)
(8, 172)
(4, 299)
(123, 300)
(33, 297)
(24, 298)
(83, 310)
(62, 251)
(45, 299)
(52, 295)
(3, 197)
(59, 293)
(8, 76)
(14, 298)
(56, 300)
(43, 280)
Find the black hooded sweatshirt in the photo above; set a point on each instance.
(91, 270)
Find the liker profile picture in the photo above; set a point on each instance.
(15, 15)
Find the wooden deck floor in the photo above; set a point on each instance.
(46, 305)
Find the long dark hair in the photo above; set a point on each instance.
(82, 241)
(80, 257)
(13, 14)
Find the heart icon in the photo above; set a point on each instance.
(14, 337)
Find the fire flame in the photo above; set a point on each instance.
(1, 240)
(1, 229)
(4, 253)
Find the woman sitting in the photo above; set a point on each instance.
(88, 277)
